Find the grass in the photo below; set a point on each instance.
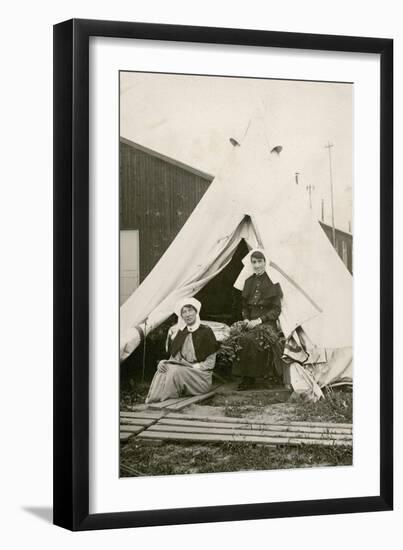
(132, 394)
(161, 458)
(240, 404)
(237, 410)
(336, 407)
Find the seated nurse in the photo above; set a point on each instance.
(261, 307)
(193, 349)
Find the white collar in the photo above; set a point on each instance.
(194, 327)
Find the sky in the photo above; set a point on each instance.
(191, 118)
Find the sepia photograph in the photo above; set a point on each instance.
(235, 274)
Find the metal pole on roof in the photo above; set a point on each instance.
(310, 188)
(329, 148)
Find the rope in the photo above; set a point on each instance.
(144, 351)
(296, 285)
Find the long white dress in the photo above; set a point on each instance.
(184, 375)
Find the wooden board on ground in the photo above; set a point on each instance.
(231, 419)
(147, 415)
(186, 401)
(167, 421)
(239, 431)
(132, 423)
(138, 407)
(132, 428)
(208, 437)
(179, 403)
(137, 421)
(164, 404)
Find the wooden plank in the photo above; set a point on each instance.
(178, 403)
(254, 420)
(146, 415)
(163, 404)
(138, 421)
(243, 420)
(228, 431)
(251, 426)
(191, 400)
(147, 434)
(133, 429)
(139, 407)
(185, 419)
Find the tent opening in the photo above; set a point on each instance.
(220, 300)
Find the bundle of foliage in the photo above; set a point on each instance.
(264, 336)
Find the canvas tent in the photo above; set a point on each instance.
(255, 199)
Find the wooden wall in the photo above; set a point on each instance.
(157, 195)
(342, 239)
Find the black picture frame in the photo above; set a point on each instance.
(71, 273)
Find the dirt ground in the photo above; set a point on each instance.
(147, 457)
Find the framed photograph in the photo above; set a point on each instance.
(223, 274)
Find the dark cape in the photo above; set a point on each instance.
(261, 298)
(204, 342)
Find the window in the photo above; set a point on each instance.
(129, 263)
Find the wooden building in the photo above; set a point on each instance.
(344, 244)
(157, 195)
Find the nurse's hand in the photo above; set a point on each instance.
(253, 324)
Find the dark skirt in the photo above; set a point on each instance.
(253, 361)
(260, 353)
